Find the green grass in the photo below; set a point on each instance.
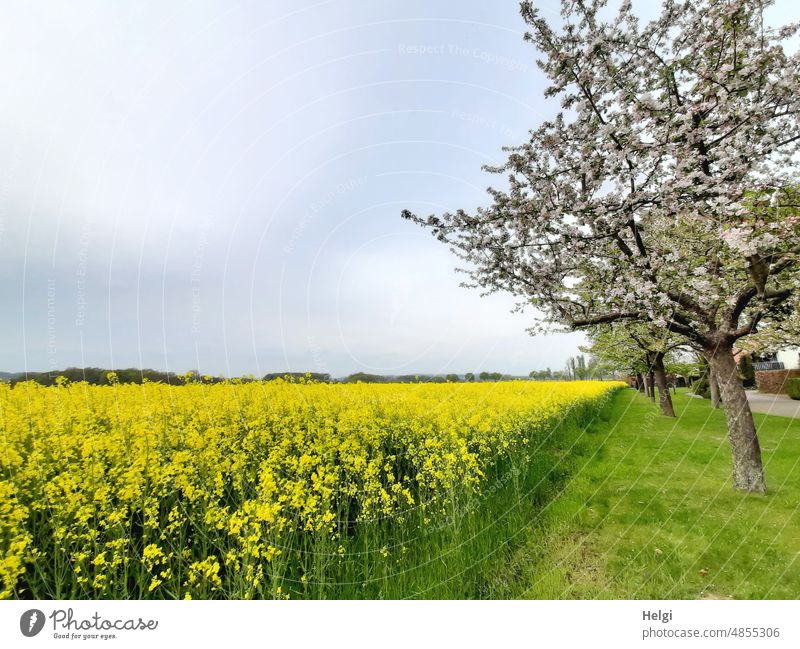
(649, 512)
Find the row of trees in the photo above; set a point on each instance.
(658, 209)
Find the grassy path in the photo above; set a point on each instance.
(649, 513)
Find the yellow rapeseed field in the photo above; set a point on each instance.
(224, 490)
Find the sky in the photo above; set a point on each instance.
(218, 185)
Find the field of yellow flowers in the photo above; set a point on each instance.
(272, 489)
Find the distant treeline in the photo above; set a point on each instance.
(101, 376)
(427, 378)
(94, 375)
(296, 376)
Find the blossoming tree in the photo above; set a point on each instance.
(660, 192)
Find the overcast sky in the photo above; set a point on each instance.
(218, 185)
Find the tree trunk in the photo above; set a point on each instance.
(748, 473)
(651, 385)
(660, 374)
(639, 382)
(713, 384)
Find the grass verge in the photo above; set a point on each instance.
(649, 513)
